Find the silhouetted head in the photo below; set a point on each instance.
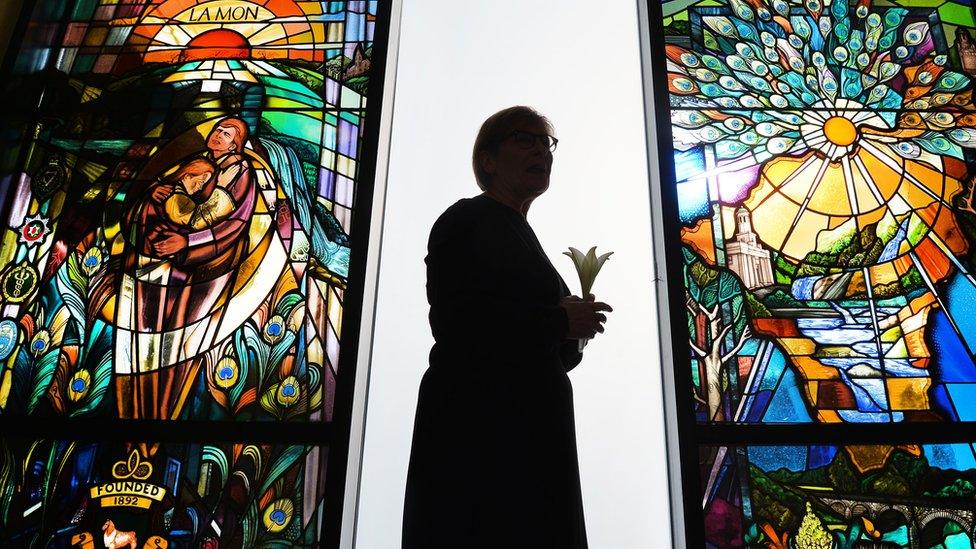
(228, 136)
(514, 150)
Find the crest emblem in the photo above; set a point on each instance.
(33, 231)
(8, 338)
(133, 468)
(49, 178)
(19, 283)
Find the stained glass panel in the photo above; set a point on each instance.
(178, 215)
(77, 494)
(913, 496)
(824, 156)
(185, 189)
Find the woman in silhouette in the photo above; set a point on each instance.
(493, 463)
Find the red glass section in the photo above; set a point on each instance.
(217, 44)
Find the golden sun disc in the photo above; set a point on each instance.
(840, 131)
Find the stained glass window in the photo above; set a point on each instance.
(818, 190)
(238, 494)
(818, 496)
(184, 204)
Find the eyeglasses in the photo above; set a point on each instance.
(527, 140)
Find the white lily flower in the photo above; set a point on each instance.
(588, 265)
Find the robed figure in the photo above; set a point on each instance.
(177, 273)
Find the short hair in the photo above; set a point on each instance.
(495, 129)
(243, 133)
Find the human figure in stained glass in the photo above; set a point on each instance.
(177, 278)
(133, 113)
(197, 202)
(493, 462)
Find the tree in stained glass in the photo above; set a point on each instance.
(177, 227)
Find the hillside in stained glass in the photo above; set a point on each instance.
(818, 496)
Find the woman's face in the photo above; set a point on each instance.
(521, 165)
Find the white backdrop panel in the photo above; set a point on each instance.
(578, 63)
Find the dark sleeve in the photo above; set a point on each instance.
(570, 355)
(472, 286)
(569, 351)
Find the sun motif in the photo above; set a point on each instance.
(849, 114)
(185, 30)
(840, 130)
(832, 127)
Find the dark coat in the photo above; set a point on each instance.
(493, 463)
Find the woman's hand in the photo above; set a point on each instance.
(585, 317)
(167, 243)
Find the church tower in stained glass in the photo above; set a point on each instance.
(746, 255)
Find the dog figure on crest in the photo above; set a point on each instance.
(117, 539)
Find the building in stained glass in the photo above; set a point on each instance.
(829, 403)
(184, 199)
(747, 257)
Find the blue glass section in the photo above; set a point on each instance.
(775, 366)
(950, 456)
(818, 456)
(960, 299)
(693, 200)
(688, 164)
(950, 361)
(939, 398)
(771, 458)
(898, 536)
(692, 193)
(964, 398)
(958, 541)
(787, 404)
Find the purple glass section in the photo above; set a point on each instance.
(327, 183)
(348, 136)
(331, 91)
